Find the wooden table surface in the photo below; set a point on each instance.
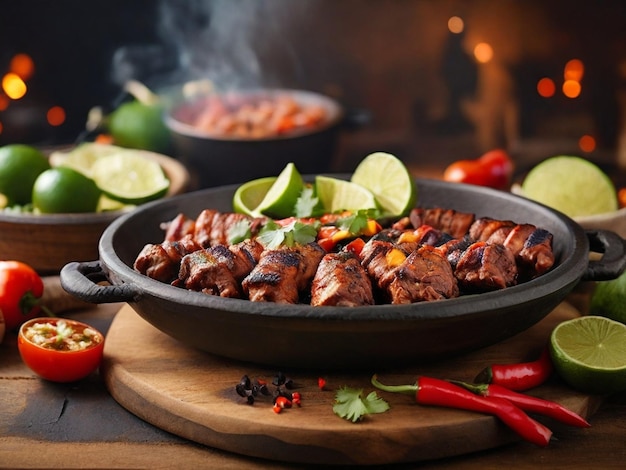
(79, 425)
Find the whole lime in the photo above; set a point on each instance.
(20, 165)
(609, 299)
(140, 126)
(65, 190)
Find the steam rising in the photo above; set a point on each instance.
(232, 43)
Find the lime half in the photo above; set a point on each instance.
(389, 180)
(572, 185)
(280, 200)
(249, 195)
(337, 195)
(589, 353)
(130, 178)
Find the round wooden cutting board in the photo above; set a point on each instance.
(192, 394)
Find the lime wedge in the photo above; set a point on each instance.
(389, 180)
(280, 200)
(589, 353)
(82, 157)
(336, 195)
(572, 185)
(129, 178)
(249, 195)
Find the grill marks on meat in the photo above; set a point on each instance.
(425, 275)
(282, 275)
(161, 262)
(431, 254)
(340, 280)
(219, 269)
(485, 266)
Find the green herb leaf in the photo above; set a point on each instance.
(273, 235)
(239, 232)
(355, 223)
(352, 406)
(307, 203)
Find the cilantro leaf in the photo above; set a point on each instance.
(307, 203)
(273, 235)
(356, 222)
(351, 405)
(239, 232)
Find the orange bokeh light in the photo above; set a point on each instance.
(56, 116)
(22, 65)
(483, 52)
(13, 86)
(574, 70)
(571, 88)
(546, 87)
(456, 24)
(587, 143)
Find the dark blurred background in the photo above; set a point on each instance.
(442, 80)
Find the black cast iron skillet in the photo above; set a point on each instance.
(375, 337)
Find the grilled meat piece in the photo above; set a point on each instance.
(162, 261)
(178, 228)
(454, 223)
(208, 271)
(531, 246)
(380, 256)
(219, 269)
(410, 240)
(425, 275)
(484, 267)
(212, 227)
(282, 274)
(340, 280)
(453, 250)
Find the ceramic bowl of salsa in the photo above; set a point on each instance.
(60, 350)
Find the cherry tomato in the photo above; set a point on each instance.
(21, 289)
(493, 169)
(60, 350)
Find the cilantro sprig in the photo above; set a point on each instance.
(350, 404)
(273, 235)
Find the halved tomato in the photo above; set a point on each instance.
(60, 350)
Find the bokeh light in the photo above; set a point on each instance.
(571, 88)
(574, 70)
(13, 86)
(22, 65)
(587, 143)
(483, 52)
(456, 24)
(56, 116)
(546, 87)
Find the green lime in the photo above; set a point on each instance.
(609, 299)
(572, 185)
(65, 190)
(20, 165)
(389, 180)
(589, 353)
(130, 178)
(140, 126)
(249, 195)
(82, 157)
(337, 195)
(280, 200)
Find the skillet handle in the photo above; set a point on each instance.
(613, 261)
(81, 280)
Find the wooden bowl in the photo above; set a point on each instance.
(47, 242)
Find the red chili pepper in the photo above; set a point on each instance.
(327, 244)
(277, 409)
(283, 402)
(432, 391)
(528, 403)
(296, 398)
(321, 383)
(519, 376)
